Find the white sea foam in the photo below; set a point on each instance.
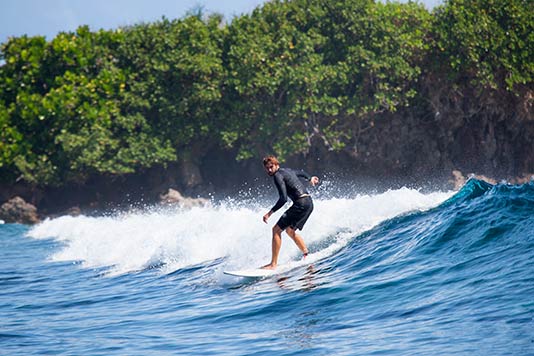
(176, 239)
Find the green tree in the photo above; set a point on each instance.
(310, 69)
(69, 114)
(290, 75)
(174, 71)
(486, 44)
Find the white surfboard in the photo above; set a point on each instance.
(252, 273)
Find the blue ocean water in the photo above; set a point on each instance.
(396, 273)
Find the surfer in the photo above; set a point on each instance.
(288, 184)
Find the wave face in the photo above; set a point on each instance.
(401, 273)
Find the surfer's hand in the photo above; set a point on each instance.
(314, 180)
(266, 217)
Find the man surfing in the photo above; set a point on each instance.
(288, 184)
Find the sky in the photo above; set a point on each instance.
(49, 17)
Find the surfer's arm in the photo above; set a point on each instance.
(312, 179)
(282, 192)
(303, 174)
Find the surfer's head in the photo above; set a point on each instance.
(271, 165)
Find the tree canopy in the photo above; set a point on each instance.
(287, 75)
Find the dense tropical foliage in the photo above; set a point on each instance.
(287, 76)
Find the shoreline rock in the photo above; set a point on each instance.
(172, 197)
(17, 210)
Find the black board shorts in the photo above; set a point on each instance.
(297, 215)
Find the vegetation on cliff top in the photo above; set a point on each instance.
(290, 75)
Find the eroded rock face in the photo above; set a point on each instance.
(17, 210)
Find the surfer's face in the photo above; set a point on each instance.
(271, 168)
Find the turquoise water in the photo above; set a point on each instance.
(397, 273)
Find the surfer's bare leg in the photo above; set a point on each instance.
(298, 240)
(277, 242)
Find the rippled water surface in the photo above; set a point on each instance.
(397, 273)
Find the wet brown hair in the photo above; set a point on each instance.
(270, 159)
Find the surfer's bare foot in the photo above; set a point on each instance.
(269, 266)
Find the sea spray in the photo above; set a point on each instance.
(176, 238)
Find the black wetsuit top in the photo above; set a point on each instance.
(288, 184)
